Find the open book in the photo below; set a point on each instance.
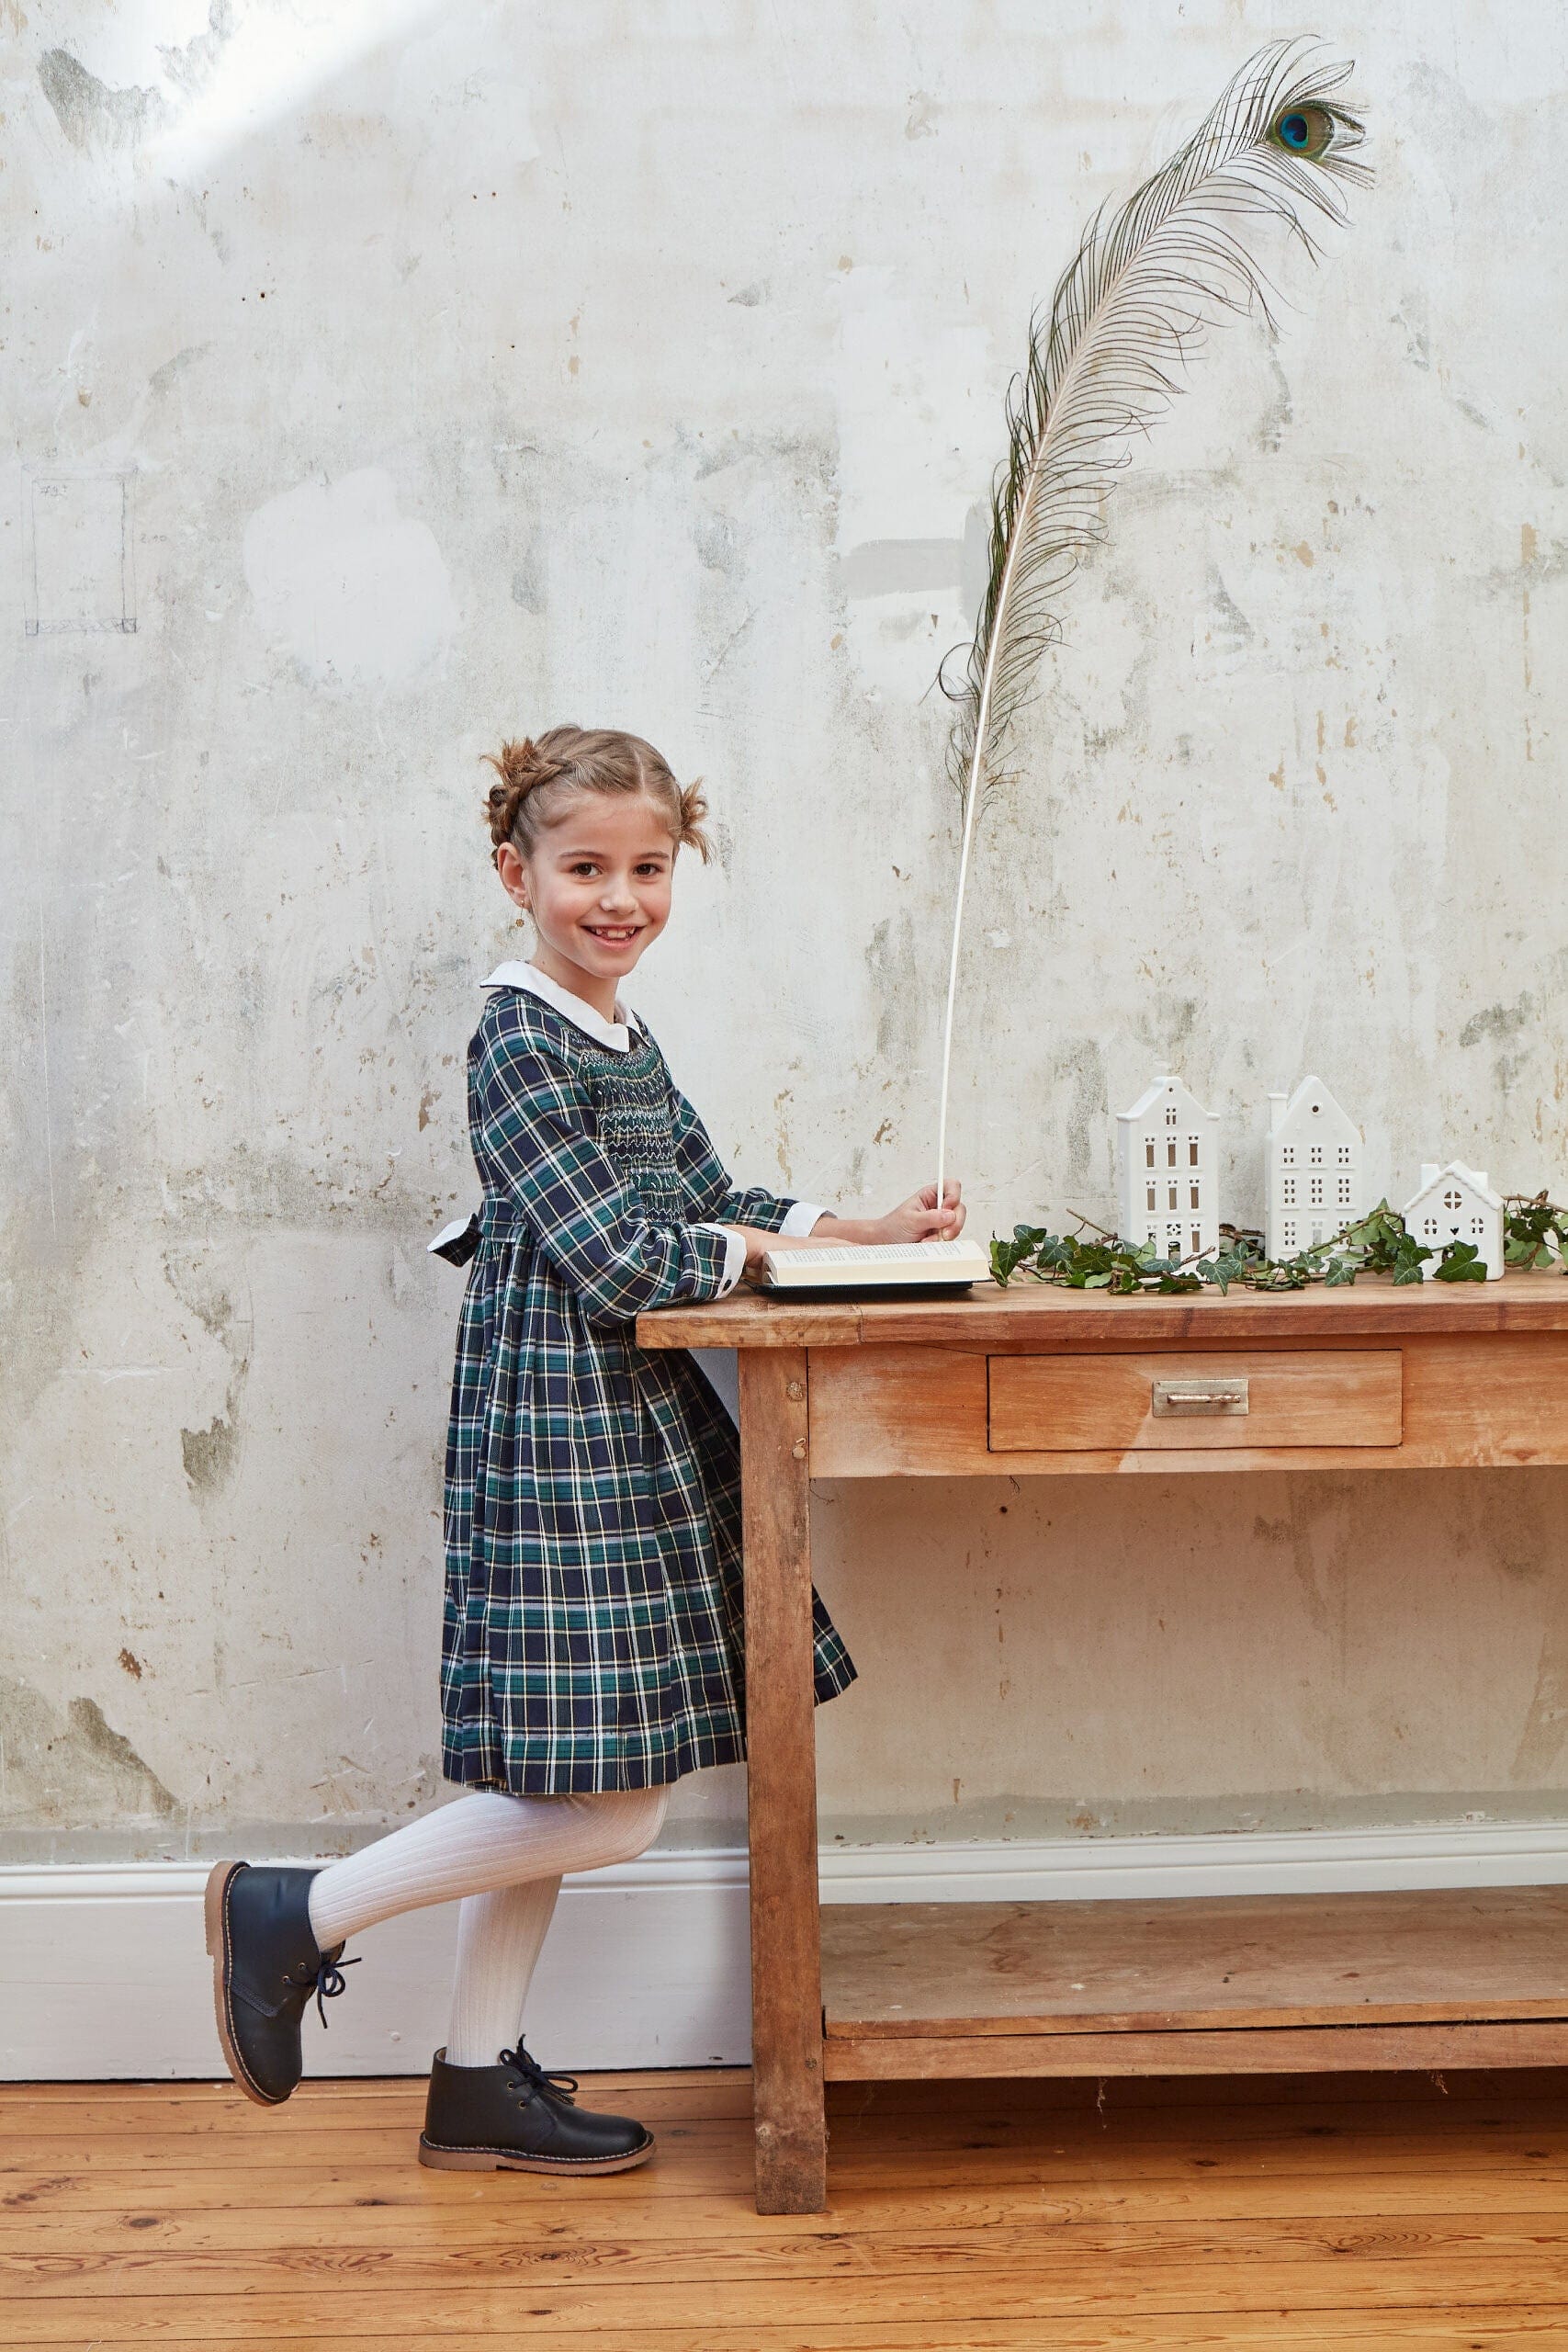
(882, 1265)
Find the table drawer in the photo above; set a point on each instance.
(1185, 1402)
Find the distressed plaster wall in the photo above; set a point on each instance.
(380, 380)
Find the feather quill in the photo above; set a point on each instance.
(1148, 279)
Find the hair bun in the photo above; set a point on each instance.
(520, 767)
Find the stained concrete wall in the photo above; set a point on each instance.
(381, 380)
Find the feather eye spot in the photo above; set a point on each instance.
(1306, 130)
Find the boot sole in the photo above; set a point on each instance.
(441, 2159)
(219, 1881)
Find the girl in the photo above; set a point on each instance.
(592, 1647)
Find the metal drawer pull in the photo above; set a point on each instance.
(1193, 1396)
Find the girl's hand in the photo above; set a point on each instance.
(919, 1219)
(759, 1242)
(916, 1219)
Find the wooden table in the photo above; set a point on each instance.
(1037, 1382)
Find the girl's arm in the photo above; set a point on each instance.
(916, 1219)
(763, 1218)
(535, 1133)
(710, 1193)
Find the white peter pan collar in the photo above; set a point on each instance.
(616, 1034)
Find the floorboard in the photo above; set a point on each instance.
(1399, 2211)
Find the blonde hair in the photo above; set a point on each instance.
(536, 777)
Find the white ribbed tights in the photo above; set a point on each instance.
(503, 1856)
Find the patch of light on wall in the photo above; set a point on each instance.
(276, 57)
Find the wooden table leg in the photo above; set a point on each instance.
(786, 1956)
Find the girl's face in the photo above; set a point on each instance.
(597, 884)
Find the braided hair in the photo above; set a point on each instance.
(536, 776)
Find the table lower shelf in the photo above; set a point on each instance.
(1229, 1985)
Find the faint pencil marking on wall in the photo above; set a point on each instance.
(80, 573)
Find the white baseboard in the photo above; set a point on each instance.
(103, 1975)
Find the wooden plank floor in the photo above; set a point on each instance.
(1366, 2212)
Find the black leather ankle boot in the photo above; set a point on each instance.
(266, 1965)
(515, 2117)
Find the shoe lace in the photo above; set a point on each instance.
(328, 1980)
(535, 2076)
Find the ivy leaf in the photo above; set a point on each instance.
(1007, 1257)
(1461, 1263)
(1341, 1272)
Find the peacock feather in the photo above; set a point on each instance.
(1148, 279)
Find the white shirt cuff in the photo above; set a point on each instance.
(802, 1218)
(734, 1255)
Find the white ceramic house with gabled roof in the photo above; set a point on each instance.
(1167, 1169)
(1456, 1203)
(1315, 1180)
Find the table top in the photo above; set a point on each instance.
(1037, 1315)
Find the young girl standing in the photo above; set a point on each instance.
(592, 1646)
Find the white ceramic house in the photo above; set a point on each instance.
(1456, 1203)
(1315, 1180)
(1167, 1169)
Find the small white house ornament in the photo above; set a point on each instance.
(1167, 1169)
(1456, 1203)
(1316, 1182)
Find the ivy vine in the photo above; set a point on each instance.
(1535, 1234)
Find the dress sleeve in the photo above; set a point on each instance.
(534, 1129)
(710, 1192)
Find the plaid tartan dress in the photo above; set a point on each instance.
(592, 1633)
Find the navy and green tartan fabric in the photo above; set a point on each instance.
(592, 1634)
